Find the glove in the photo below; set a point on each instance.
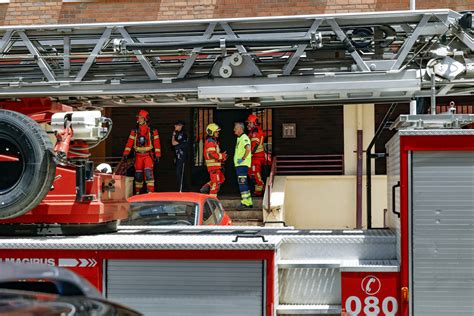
(125, 157)
(157, 159)
(240, 160)
(224, 156)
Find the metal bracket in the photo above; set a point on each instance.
(350, 48)
(240, 48)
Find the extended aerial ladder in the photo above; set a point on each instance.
(268, 61)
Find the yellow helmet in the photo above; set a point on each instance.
(212, 128)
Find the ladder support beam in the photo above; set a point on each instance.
(142, 59)
(274, 60)
(39, 59)
(95, 52)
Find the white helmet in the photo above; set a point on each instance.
(104, 168)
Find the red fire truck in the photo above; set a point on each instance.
(421, 264)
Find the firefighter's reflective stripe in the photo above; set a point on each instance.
(143, 150)
(130, 143)
(212, 154)
(156, 137)
(157, 150)
(213, 163)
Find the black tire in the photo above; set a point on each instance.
(37, 163)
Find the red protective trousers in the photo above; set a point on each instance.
(144, 172)
(217, 178)
(255, 173)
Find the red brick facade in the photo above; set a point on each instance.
(56, 11)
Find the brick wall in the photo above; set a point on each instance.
(109, 11)
(55, 11)
(319, 130)
(31, 12)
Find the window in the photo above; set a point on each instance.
(208, 217)
(265, 117)
(217, 210)
(162, 213)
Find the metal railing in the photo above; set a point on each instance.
(302, 165)
(310, 165)
(269, 185)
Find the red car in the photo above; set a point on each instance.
(176, 208)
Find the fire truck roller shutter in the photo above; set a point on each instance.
(24, 141)
(443, 233)
(187, 287)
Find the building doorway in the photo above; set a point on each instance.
(225, 119)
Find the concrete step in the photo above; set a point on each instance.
(245, 214)
(234, 202)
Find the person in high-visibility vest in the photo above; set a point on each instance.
(145, 141)
(256, 136)
(242, 162)
(214, 159)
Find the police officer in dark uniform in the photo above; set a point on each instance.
(179, 140)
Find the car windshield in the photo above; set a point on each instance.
(162, 213)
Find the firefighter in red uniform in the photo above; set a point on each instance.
(258, 153)
(214, 159)
(145, 141)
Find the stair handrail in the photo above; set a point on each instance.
(269, 185)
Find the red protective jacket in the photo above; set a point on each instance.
(152, 144)
(212, 154)
(256, 140)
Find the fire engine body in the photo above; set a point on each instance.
(418, 265)
(79, 200)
